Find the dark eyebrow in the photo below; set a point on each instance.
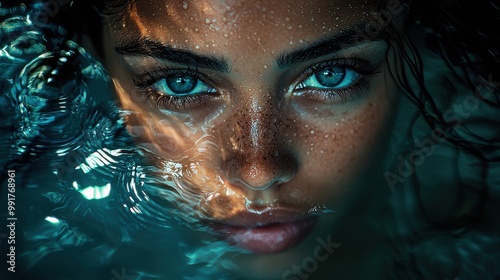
(146, 47)
(348, 38)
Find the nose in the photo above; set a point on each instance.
(256, 155)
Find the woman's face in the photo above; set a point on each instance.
(265, 110)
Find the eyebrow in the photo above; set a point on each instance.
(348, 38)
(144, 46)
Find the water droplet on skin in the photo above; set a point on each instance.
(207, 20)
(185, 5)
(289, 27)
(197, 47)
(312, 131)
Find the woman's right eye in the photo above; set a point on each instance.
(179, 85)
(175, 89)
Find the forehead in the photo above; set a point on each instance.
(198, 20)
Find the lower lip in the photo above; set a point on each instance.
(268, 239)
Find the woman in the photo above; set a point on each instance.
(270, 140)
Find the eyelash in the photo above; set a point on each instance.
(360, 66)
(146, 81)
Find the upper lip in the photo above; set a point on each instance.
(269, 216)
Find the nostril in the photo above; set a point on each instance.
(259, 187)
(262, 174)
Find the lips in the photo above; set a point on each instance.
(267, 232)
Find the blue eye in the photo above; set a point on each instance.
(330, 78)
(182, 85)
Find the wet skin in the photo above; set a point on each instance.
(246, 96)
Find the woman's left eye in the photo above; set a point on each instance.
(330, 78)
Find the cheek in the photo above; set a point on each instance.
(335, 153)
